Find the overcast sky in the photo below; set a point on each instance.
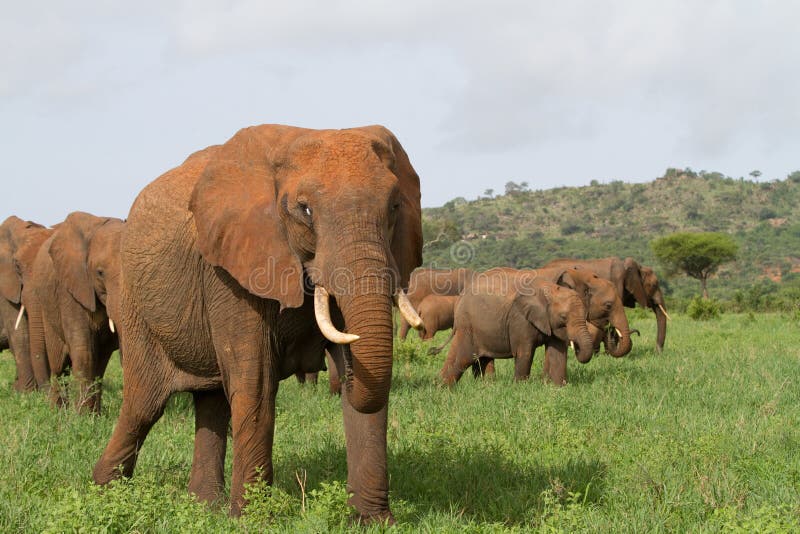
(96, 101)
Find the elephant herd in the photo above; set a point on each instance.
(249, 262)
(508, 313)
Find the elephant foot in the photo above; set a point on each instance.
(380, 518)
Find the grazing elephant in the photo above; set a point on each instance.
(19, 241)
(229, 262)
(655, 299)
(70, 322)
(437, 313)
(629, 280)
(506, 314)
(441, 282)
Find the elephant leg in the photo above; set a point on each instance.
(253, 425)
(146, 387)
(334, 383)
(556, 354)
(84, 354)
(312, 378)
(523, 361)
(211, 417)
(143, 404)
(365, 436)
(301, 377)
(459, 359)
(58, 357)
(404, 328)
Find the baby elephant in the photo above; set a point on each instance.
(508, 315)
(436, 312)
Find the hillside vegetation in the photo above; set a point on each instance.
(524, 228)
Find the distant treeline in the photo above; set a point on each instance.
(524, 228)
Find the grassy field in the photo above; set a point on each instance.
(702, 438)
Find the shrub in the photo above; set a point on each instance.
(701, 309)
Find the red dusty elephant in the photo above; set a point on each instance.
(70, 319)
(19, 243)
(240, 267)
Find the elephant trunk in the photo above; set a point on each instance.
(365, 301)
(578, 333)
(39, 363)
(618, 335)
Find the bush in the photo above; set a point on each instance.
(701, 309)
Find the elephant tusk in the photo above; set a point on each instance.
(111, 325)
(407, 309)
(19, 316)
(619, 334)
(323, 314)
(572, 345)
(665, 312)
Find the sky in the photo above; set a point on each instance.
(98, 98)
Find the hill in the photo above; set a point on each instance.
(524, 228)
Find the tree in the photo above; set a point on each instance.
(489, 193)
(698, 255)
(755, 174)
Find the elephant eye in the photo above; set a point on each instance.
(607, 305)
(305, 209)
(100, 272)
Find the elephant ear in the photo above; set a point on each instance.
(13, 230)
(535, 309)
(69, 250)
(633, 282)
(236, 215)
(407, 238)
(10, 284)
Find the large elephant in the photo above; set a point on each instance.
(228, 262)
(69, 322)
(19, 241)
(629, 279)
(441, 282)
(506, 314)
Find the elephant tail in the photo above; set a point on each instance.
(437, 350)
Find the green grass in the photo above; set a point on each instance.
(702, 438)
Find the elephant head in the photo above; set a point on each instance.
(657, 303)
(336, 209)
(19, 243)
(604, 309)
(75, 267)
(14, 235)
(557, 311)
(104, 267)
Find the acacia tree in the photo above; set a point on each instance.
(698, 255)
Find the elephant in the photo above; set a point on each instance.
(509, 314)
(436, 312)
(229, 263)
(655, 299)
(19, 241)
(629, 279)
(441, 282)
(75, 276)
